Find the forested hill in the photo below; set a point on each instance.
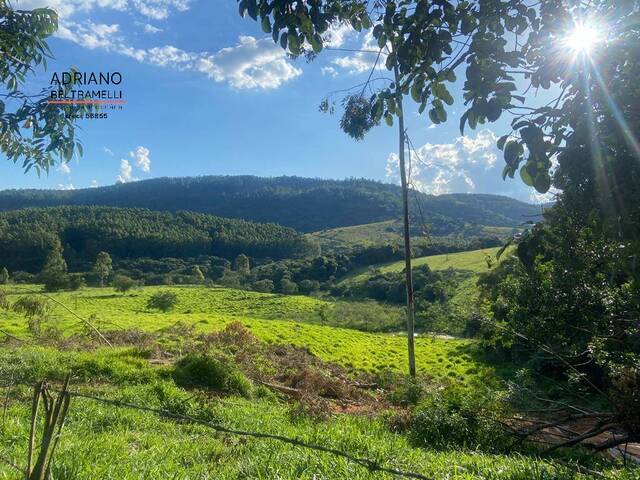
(27, 235)
(301, 203)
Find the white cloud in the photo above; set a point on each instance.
(94, 184)
(160, 9)
(64, 168)
(67, 186)
(108, 151)
(148, 28)
(141, 157)
(170, 56)
(90, 35)
(337, 34)
(329, 71)
(363, 61)
(252, 63)
(125, 172)
(156, 9)
(469, 164)
(66, 8)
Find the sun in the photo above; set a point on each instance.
(582, 38)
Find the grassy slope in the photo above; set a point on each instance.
(104, 442)
(473, 261)
(465, 296)
(359, 235)
(101, 441)
(378, 233)
(269, 317)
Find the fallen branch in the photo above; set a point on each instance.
(292, 392)
(87, 322)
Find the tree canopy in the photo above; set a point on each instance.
(498, 43)
(32, 130)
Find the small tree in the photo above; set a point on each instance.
(54, 274)
(163, 301)
(288, 287)
(103, 266)
(230, 279)
(243, 266)
(264, 286)
(122, 283)
(198, 276)
(4, 276)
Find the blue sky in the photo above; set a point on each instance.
(208, 94)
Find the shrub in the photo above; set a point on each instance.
(288, 287)
(163, 301)
(230, 279)
(122, 283)
(75, 281)
(264, 286)
(213, 370)
(23, 277)
(451, 419)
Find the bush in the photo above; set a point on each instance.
(451, 419)
(122, 283)
(213, 370)
(288, 287)
(264, 286)
(23, 277)
(163, 301)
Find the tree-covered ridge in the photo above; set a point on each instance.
(302, 203)
(27, 235)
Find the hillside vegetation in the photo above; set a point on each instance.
(235, 339)
(270, 317)
(308, 205)
(27, 235)
(471, 237)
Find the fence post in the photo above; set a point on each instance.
(55, 413)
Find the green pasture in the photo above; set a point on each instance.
(273, 318)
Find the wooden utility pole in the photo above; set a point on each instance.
(405, 218)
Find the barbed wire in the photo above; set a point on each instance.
(371, 465)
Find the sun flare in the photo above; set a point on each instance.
(582, 39)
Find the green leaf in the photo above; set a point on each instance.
(252, 9)
(501, 141)
(266, 24)
(526, 177)
(433, 116)
(416, 90)
(512, 152)
(542, 183)
(388, 120)
(294, 43)
(316, 43)
(493, 110)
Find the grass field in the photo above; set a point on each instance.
(359, 235)
(103, 441)
(473, 261)
(273, 318)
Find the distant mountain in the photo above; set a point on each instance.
(305, 204)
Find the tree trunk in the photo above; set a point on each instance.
(407, 237)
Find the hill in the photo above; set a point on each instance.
(26, 235)
(390, 232)
(306, 204)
